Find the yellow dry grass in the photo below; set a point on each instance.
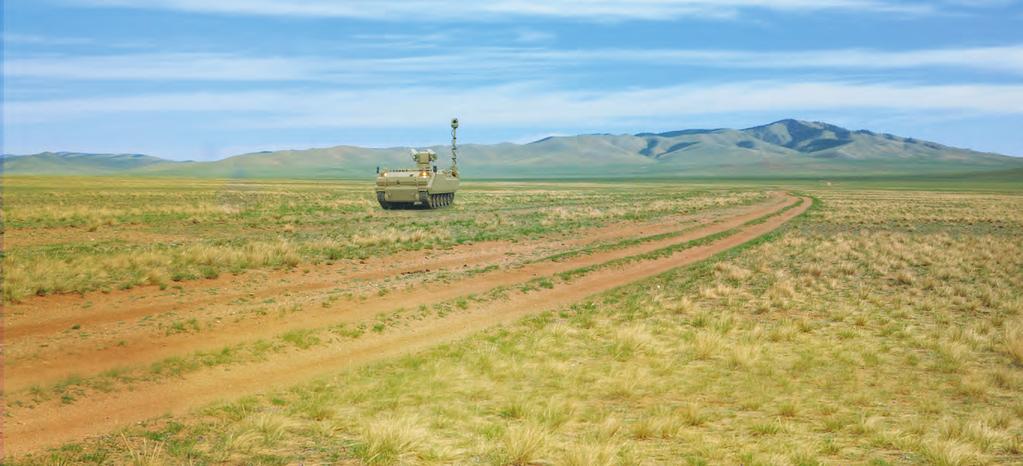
(883, 328)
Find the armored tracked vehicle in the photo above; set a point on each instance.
(423, 186)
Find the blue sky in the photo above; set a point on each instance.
(202, 79)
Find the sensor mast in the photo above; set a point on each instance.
(454, 147)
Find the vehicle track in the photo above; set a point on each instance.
(78, 357)
(54, 314)
(52, 424)
(43, 327)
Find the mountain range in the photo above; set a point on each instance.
(785, 148)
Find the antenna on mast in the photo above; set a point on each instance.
(454, 147)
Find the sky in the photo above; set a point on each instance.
(206, 79)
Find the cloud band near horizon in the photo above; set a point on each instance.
(595, 10)
(488, 63)
(528, 105)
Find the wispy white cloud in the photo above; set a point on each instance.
(402, 41)
(602, 10)
(163, 66)
(487, 64)
(981, 3)
(35, 39)
(521, 105)
(1000, 58)
(20, 42)
(532, 36)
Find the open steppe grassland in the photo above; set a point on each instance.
(881, 327)
(83, 234)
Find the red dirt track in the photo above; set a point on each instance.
(40, 350)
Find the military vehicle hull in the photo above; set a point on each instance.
(423, 186)
(408, 189)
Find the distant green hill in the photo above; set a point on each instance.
(786, 148)
(74, 163)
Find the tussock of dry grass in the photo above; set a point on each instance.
(390, 441)
(522, 445)
(1013, 343)
(144, 452)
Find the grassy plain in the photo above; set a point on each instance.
(881, 327)
(82, 234)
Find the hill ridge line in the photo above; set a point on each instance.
(786, 147)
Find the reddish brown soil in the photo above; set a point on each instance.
(50, 315)
(42, 327)
(52, 423)
(131, 345)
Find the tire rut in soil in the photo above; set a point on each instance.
(145, 348)
(54, 424)
(51, 315)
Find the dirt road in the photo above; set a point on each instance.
(53, 423)
(118, 343)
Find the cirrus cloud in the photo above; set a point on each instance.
(445, 10)
(487, 63)
(523, 105)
